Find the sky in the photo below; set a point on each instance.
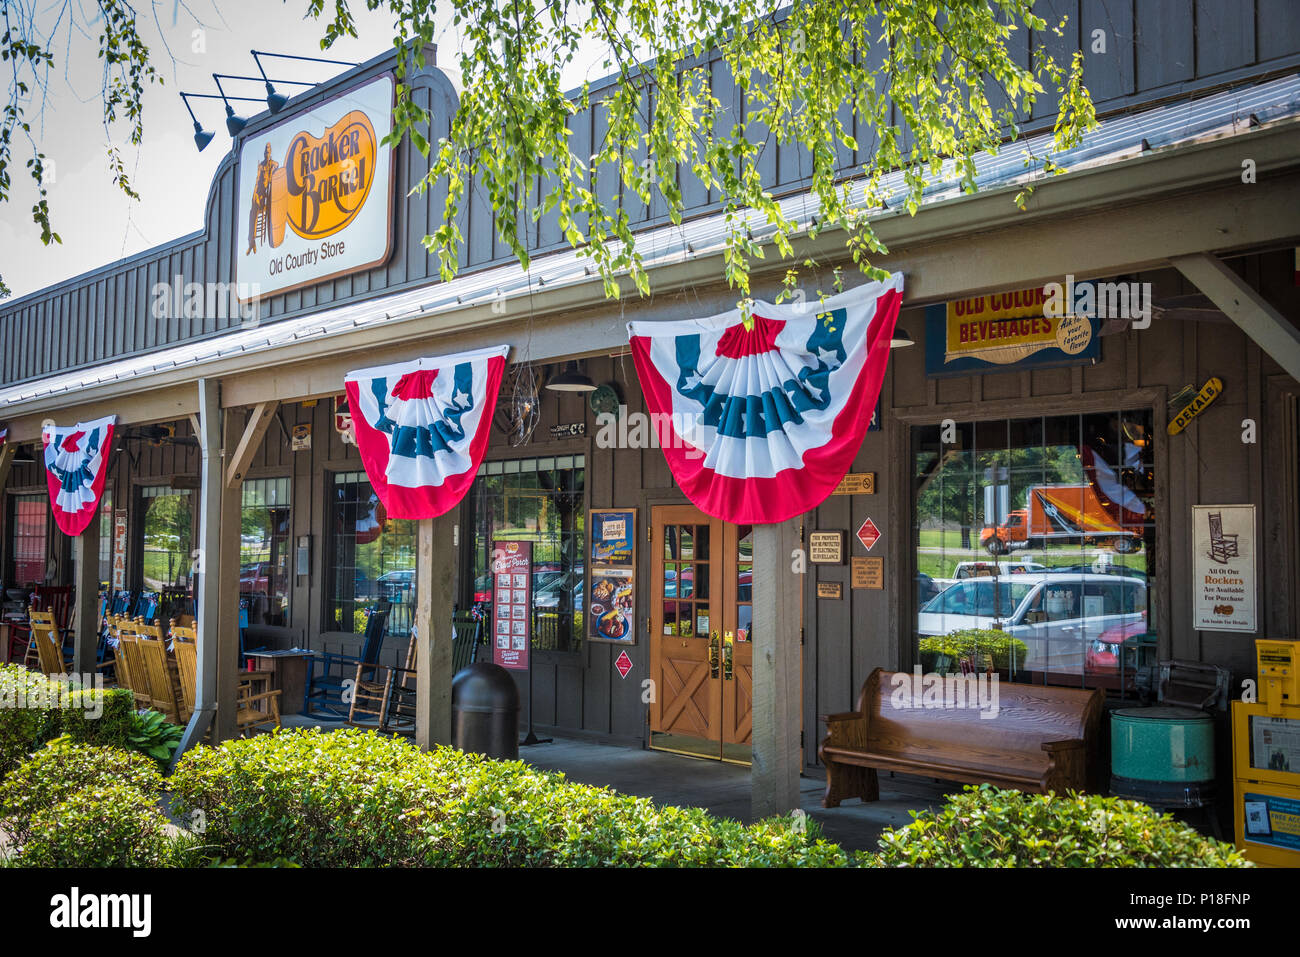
(189, 41)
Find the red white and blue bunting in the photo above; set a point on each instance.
(76, 466)
(759, 425)
(422, 427)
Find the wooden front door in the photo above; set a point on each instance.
(700, 651)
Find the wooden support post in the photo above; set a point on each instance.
(213, 475)
(1240, 302)
(777, 759)
(435, 580)
(85, 610)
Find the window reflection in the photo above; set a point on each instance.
(1041, 529)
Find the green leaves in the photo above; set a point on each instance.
(857, 87)
(353, 798)
(985, 826)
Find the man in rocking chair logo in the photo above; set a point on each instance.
(76, 910)
(259, 212)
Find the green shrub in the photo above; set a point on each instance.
(35, 709)
(108, 825)
(974, 643)
(60, 770)
(988, 827)
(350, 798)
(150, 733)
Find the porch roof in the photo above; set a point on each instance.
(1162, 130)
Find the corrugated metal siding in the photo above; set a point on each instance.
(1154, 49)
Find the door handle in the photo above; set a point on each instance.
(713, 654)
(726, 657)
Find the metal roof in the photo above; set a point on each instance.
(1160, 128)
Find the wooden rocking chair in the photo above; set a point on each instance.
(48, 642)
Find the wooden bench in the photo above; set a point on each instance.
(1041, 739)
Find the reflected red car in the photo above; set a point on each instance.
(1102, 654)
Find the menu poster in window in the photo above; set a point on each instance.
(512, 593)
(1223, 567)
(613, 538)
(613, 605)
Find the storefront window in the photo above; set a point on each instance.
(371, 559)
(168, 544)
(27, 544)
(264, 550)
(540, 501)
(105, 539)
(1042, 529)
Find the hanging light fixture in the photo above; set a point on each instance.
(276, 101)
(202, 137)
(233, 123)
(571, 380)
(901, 339)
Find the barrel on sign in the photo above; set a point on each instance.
(279, 205)
(1163, 756)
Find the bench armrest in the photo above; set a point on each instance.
(845, 729)
(1073, 744)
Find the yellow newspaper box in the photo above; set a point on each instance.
(1266, 759)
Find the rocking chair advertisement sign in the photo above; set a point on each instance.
(1223, 567)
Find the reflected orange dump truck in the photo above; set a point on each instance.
(1060, 513)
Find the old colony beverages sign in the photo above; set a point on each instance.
(1020, 327)
(315, 193)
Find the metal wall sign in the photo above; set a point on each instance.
(993, 332)
(1223, 568)
(826, 548)
(830, 590)
(867, 573)
(1212, 389)
(314, 194)
(857, 483)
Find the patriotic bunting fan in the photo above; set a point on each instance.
(759, 425)
(422, 427)
(76, 465)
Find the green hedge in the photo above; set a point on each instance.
(353, 798)
(985, 826)
(61, 769)
(35, 709)
(108, 825)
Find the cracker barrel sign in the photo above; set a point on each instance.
(315, 193)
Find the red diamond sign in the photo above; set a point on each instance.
(868, 534)
(623, 664)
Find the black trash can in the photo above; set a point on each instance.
(485, 711)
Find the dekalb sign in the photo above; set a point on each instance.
(315, 193)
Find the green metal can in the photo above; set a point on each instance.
(1162, 744)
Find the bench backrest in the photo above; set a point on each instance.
(899, 723)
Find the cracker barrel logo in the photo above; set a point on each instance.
(320, 187)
